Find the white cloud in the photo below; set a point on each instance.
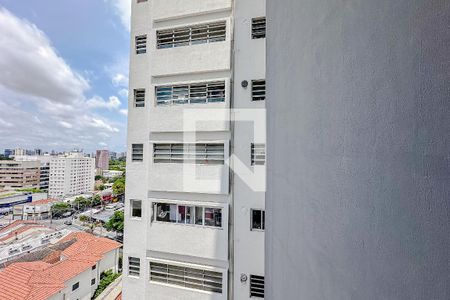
(123, 93)
(4, 123)
(120, 80)
(98, 123)
(123, 10)
(98, 102)
(65, 124)
(124, 112)
(42, 99)
(27, 53)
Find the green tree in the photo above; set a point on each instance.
(119, 186)
(60, 208)
(81, 203)
(96, 200)
(115, 223)
(106, 278)
(98, 177)
(83, 218)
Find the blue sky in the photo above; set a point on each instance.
(64, 74)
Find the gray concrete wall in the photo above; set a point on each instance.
(358, 149)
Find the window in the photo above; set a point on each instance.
(140, 1)
(92, 281)
(94, 267)
(137, 152)
(136, 208)
(258, 90)
(259, 28)
(188, 214)
(256, 286)
(212, 154)
(206, 92)
(134, 266)
(141, 44)
(258, 219)
(258, 154)
(75, 286)
(193, 278)
(139, 98)
(191, 35)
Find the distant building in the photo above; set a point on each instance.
(8, 152)
(71, 174)
(44, 161)
(102, 159)
(19, 174)
(112, 155)
(37, 210)
(70, 273)
(19, 151)
(109, 174)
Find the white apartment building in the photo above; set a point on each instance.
(194, 228)
(71, 174)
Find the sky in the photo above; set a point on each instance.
(64, 74)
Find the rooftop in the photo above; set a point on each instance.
(39, 280)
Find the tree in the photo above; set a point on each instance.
(119, 186)
(83, 218)
(115, 223)
(60, 208)
(81, 203)
(98, 177)
(106, 278)
(96, 200)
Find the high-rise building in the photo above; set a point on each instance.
(195, 228)
(8, 152)
(71, 174)
(102, 159)
(19, 151)
(19, 174)
(358, 123)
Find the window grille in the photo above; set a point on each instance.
(258, 154)
(189, 153)
(137, 152)
(259, 28)
(134, 266)
(191, 35)
(141, 44)
(207, 92)
(258, 90)
(139, 98)
(193, 278)
(256, 286)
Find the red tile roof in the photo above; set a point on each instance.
(39, 280)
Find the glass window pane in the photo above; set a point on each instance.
(136, 208)
(198, 215)
(181, 214)
(256, 219)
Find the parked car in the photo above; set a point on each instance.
(68, 222)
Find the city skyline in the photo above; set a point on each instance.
(80, 99)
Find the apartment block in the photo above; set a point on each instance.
(194, 227)
(19, 174)
(102, 159)
(71, 174)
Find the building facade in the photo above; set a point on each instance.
(102, 159)
(194, 227)
(358, 150)
(71, 174)
(19, 174)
